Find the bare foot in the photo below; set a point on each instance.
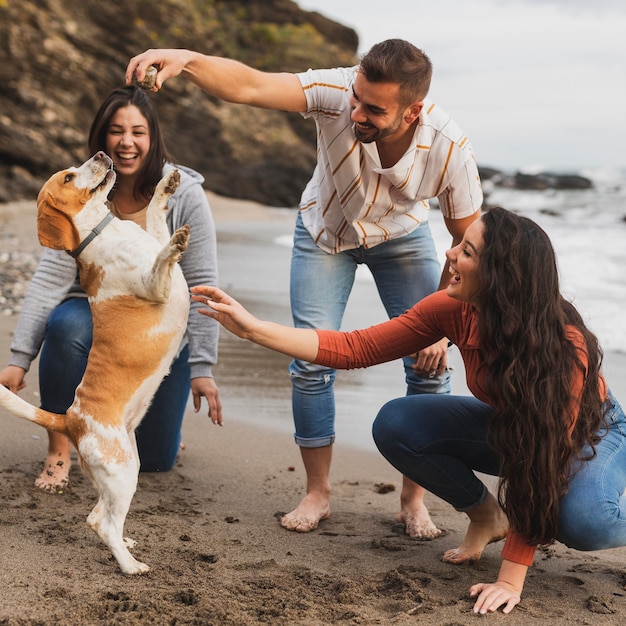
(55, 476)
(488, 524)
(418, 524)
(307, 515)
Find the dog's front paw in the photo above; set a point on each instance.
(172, 182)
(180, 238)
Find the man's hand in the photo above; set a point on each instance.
(169, 63)
(431, 361)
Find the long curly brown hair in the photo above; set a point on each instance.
(529, 364)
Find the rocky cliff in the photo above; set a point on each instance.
(59, 59)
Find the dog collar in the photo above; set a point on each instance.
(92, 235)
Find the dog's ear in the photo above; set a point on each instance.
(56, 230)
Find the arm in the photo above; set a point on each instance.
(226, 79)
(300, 343)
(507, 590)
(49, 286)
(383, 342)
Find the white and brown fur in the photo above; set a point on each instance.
(140, 303)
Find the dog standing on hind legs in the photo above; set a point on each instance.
(140, 302)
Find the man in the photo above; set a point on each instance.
(384, 150)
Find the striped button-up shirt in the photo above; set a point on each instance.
(353, 201)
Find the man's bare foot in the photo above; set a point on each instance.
(307, 515)
(55, 476)
(488, 524)
(418, 524)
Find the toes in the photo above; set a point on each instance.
(457, 557)
(299, 525)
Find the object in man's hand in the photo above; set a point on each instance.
(149, 78)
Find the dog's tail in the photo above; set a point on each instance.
(14, 404)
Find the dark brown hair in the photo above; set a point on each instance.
(152, 169)
(530, 360)
(398, 61)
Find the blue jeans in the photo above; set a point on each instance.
(440, 441)
(405, 270)
(62, 364)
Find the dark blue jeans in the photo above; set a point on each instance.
(439, 441)
(62, 364)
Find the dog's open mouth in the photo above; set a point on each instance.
(108, 178)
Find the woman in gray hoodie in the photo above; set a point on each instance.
(56, 319)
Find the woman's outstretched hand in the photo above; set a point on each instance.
(300, 343)
(226, 310)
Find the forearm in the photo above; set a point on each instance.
(299, 343)
(236, 82)
(48, 287)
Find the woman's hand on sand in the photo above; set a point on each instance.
(226, 310)
(491, 596)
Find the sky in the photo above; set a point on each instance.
(536, 85)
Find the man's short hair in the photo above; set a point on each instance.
(398, 61)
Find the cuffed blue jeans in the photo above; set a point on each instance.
(62, 364)
(440, 441)
(405, 270)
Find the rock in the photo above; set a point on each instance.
(60, 58)
(538, 182)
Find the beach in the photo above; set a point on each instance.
(209, 528)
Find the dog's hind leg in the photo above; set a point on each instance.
(108, 516)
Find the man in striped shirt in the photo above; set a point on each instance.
(384, 151)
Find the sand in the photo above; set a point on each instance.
(209, 528)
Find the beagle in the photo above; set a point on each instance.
(140, 302)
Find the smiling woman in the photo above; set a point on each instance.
(541, 416)
(56, 317)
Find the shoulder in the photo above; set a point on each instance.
(337, 78)
(440, 300)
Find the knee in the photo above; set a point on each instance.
(310, 378)
(586, 528)
(386, 429)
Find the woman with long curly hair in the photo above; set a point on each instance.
(541, 417)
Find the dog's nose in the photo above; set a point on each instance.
(100, 155)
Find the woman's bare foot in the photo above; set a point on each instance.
(307, 515)
(488, 524)
(55, 476)
(418, 524)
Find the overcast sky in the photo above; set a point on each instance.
(537, 84)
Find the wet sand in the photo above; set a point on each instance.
(209, 528)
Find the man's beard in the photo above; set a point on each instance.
(379, 133)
